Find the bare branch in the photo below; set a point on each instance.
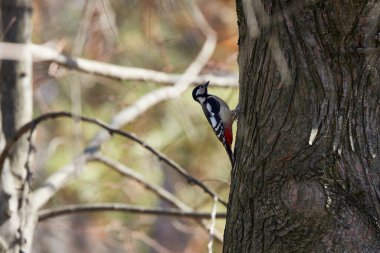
(70, 209)
(32, 124)
(90, 152)
(173, 200)
(45, 192)
(212, 225)
(57, 180)
(117, 72)
(125, 171)
(166, 93)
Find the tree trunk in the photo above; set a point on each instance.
(16, 110)
(307, 172)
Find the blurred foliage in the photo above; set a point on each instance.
(159, 35)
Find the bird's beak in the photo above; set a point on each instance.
(206, 84)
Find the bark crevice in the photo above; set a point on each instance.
(308, 147)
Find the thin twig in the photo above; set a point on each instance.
(95, 207)
(125, 171)
(212, 225)
(170, 198)
(54, 115)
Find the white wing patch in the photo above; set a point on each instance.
(213, 121)
(209, 109)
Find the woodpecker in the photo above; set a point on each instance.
(218, 115)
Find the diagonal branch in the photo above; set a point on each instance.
(60, 178)
(90, 152)
(70, 209)
(127, 172)
(173, 200)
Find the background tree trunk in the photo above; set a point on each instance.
(308, 167)
(16, 110)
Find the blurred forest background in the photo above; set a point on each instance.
(150, 34)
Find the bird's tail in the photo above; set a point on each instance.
(230, 154)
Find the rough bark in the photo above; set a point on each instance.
(16, 110)
(308, 168)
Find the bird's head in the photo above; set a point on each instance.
(200, 92)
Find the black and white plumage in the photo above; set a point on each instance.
(218, 115)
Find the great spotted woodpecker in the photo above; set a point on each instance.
(218, 115)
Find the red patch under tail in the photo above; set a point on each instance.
(228, 136)
(229, 139)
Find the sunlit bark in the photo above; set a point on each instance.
(16, 110)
